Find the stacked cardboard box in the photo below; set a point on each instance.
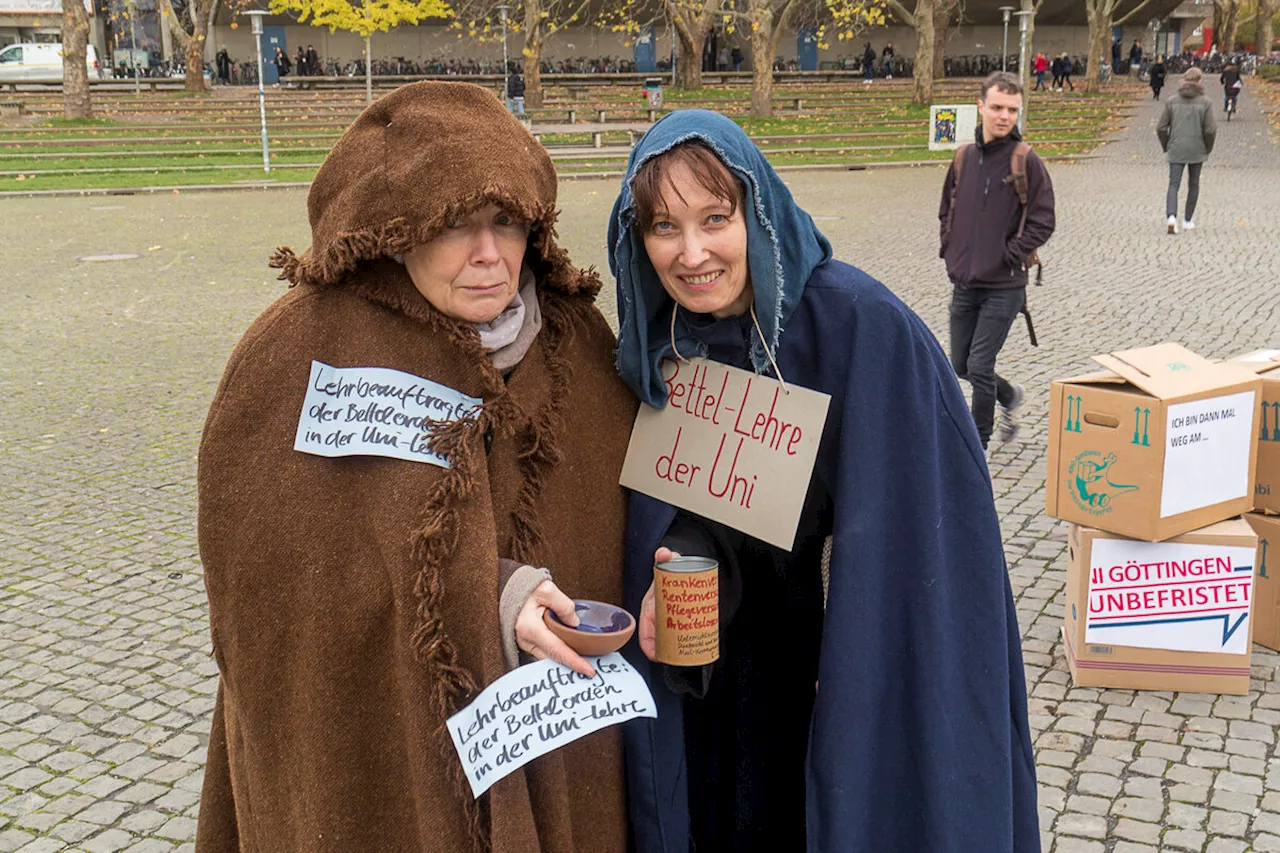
(1149, 460)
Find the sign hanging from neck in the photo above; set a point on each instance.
(731, 446)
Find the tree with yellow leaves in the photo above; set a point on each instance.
(363, 17)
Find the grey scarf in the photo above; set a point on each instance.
(507, 337)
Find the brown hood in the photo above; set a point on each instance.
(416, 158)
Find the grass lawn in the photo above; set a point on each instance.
(892, 131)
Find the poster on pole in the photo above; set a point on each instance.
(952, 125)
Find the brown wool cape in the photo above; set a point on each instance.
(354, 601)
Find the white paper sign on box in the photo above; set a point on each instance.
(1207, 459)
(375, 411)
(539, 707)
(1166, 595)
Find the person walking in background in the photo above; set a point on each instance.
(886, 58)
(1186, 131)
(223, 61)
(1067, 70)
(1041, 65)
(1135, 56)
(282, 64)
(313, 61)
(1158, 73)
(1056, 68)
(735, 56)
(989, 236)
(722, 59)
(300, 61)
(868, 63)
(515, 92)
(1231, 84)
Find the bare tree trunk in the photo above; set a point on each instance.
(208, 28)
(368, 69)
(1225, 19)
(75, 72)
(1099, 42)
(761, 61)
(193, 54)
(923, 77)
(533, 53)
(1266, 11)
(192, 42)
(689, 62)
(943, 13)
(691, 35)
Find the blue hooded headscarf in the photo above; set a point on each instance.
(784, 247)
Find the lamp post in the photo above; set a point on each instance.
(1024, 23)
(255, 16)
(1005, 12)
(503, 10)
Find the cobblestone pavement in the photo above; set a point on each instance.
(106, 370)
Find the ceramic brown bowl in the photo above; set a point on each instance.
(602, 628)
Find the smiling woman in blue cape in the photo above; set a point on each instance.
(886, 712)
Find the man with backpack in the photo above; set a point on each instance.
(997, 210)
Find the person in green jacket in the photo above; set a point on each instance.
(1186, 132)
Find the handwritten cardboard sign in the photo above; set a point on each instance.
(730, 446)
(374, 411)
(1177, 596)
(1207, 460)
(540, 707)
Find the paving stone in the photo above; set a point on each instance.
(104, 812)
(1184, 839)
(1226, 845)
(1139, 809)
(1088, 805)
(1133, 830)
(1078, 845)
(1074, 823)
(1228, 823)
(1233, 802)
(110, 841)
(1097, 783)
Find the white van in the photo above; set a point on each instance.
(40, 63)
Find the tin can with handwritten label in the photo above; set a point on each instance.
(687, 598)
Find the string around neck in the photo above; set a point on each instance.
(675, 306)
(756, 321)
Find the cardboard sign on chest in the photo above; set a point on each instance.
(729, 445)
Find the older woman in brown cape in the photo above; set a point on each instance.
(357, 601)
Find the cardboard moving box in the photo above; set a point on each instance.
(1161, 616)
(1160, 444)
(1266, 592)
(1266, 491)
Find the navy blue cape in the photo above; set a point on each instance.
(919, 741)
